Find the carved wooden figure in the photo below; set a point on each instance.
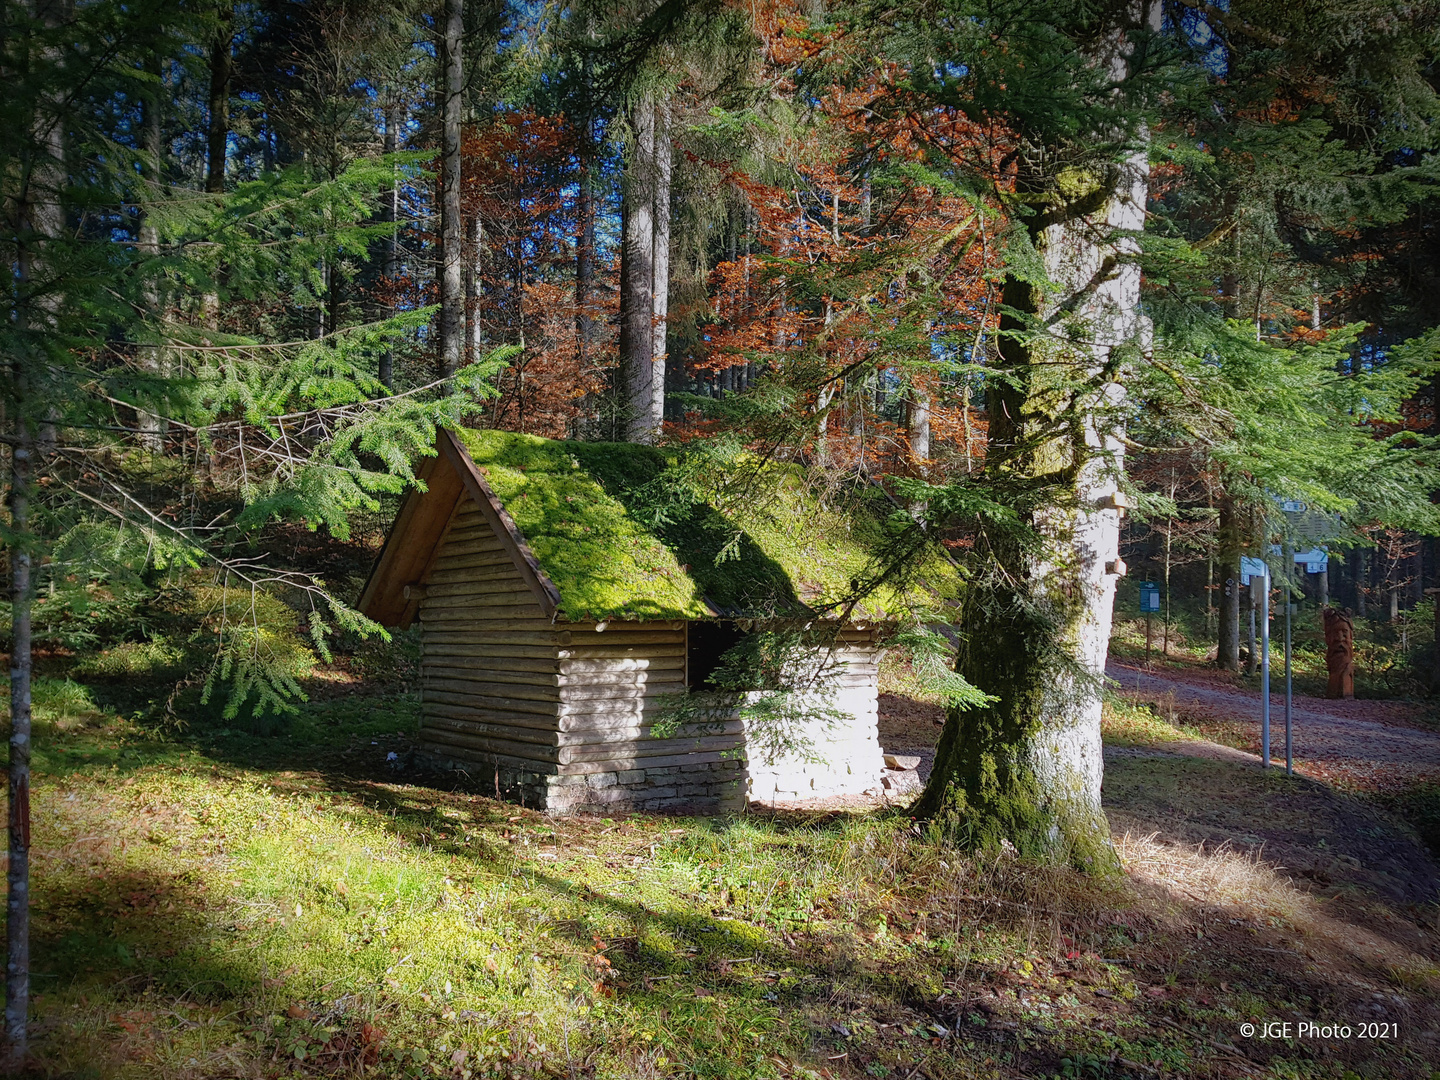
(1339, 653)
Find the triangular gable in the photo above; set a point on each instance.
(419, 530)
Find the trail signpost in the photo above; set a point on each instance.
(1149, 604)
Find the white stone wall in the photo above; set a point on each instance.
(842, 758)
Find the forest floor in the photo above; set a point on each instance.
(1368, 744)
(212, 902)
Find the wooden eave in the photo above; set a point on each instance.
(419, 531)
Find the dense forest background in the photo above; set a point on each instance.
(1013, 272)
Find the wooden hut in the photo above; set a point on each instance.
(568, 591)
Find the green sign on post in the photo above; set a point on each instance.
(1149, 597)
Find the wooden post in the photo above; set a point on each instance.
(1339, 653)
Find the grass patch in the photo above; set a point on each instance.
(212, 903)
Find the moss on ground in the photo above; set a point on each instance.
(214, 904)
(624, 532)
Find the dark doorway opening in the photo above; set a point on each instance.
(705, 645)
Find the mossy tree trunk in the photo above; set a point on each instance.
(1027, 768)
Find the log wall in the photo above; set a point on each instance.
(557, 715)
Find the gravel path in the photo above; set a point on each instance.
(1333, 739)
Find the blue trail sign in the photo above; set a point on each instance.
(1149, 597)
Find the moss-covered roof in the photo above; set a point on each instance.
(622, 534)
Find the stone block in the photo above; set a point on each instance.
(631, 776)
(601, 780)
(902, 781)
(901, 761)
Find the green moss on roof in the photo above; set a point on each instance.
(622, 536)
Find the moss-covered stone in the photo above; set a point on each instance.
(624, 533)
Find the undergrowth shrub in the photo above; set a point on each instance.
(207, 651)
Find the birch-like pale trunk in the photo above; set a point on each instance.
(1027, 767)
(637, 276)
(660, 269)
(452, 237)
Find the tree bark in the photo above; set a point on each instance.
(1026, 767)
(919, 428)
(474, 286)
(17, 908)
(150, 425)
(218, 132)
(585, 237)
(1229, 545)
(42, 224)
(452, 239)
(390, 253)
(660, 264)
(637, 276)
(218, 137)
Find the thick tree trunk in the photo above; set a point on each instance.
(452, 238)
(150, 425)
(42, 223)
(1027, 767)
(17, 908)
(390, 252)
(660, 264)
(218, 136)
(637, 277)
(919, 428)
(1229, 545)
(585, 242)
(474, 287)
(218, 130)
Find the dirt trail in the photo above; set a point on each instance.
(1374, 744)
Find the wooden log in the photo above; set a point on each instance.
(495, 703)
(510, 622)
(484, 761)
(464, 586)
(498, 631)
(487, 546)
(531, 736)
(568, 651)
(502, 717)
(506, 647)
(480, 620)
(588, 736)
(450, 575)
(463, 597)
(470, 607)
(524, 753)
(624, 630)
(639, 751)
(486, 656)
(629, 761)
(461, 560)
(433, 667)
(626, 641)
(600, 683)
(618, 691)
(623, 663)
(497, 692)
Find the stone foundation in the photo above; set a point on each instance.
(716, 787)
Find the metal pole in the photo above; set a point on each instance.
(1289, 555)
(1289, 694)
(1265, 669)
